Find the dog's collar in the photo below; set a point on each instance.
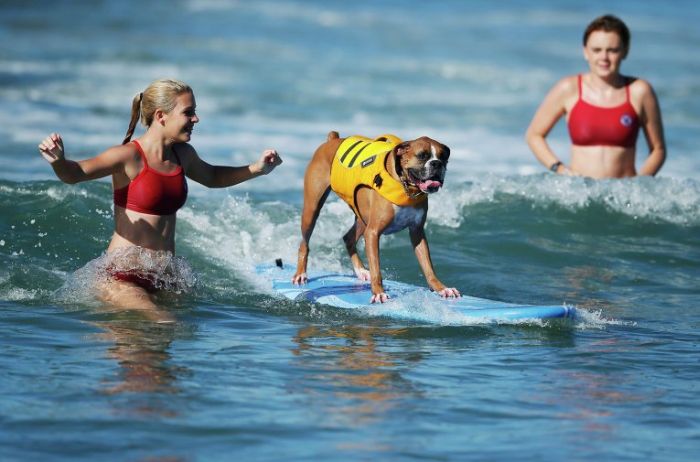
(406, 188)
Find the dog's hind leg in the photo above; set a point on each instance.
(351, 238)
(316, 189)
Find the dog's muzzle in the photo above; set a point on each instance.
(430, 178)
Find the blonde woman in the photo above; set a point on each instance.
(604, 111)
(148, 179)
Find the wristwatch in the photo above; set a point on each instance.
(555, 166)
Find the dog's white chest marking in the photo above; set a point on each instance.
(403, 217)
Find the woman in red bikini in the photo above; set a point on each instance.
(604, 111)
(148, 178)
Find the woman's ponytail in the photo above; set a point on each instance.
(135, 115)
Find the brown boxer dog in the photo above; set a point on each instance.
(393, 180)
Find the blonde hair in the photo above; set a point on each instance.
(160, 94)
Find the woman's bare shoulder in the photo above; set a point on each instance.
(566, 86)
(186, 153)
(121, 152)
(640, 86)
(641, 91)
(563, 93)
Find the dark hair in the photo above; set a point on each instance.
(609, 23)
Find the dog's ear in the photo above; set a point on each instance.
(402, 148)
(445, 152)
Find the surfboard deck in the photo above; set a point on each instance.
(406, 301)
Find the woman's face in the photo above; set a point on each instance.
(180, 121)
(604, 52)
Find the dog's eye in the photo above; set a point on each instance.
(423, 155)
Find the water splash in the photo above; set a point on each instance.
(161, 269)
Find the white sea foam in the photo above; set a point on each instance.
(241, 235)
(658, 200)
(418, 307)
(17, 294)
(594, 319)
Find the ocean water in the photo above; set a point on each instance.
(245, 375)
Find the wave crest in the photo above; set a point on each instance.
(656, 200)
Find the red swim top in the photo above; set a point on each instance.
(153, 192)
(591, 125)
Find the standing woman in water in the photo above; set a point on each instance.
(148, 179)
(604, 111)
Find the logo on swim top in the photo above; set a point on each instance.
(626, 120)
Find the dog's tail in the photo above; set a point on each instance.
(333, 135)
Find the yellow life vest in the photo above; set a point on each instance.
(359, 161)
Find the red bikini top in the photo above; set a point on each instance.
(153, 192)
(591, 125)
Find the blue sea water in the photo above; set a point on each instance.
(245, 375)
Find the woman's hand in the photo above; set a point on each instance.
(566, 171)
(51, 148)
(267, 162)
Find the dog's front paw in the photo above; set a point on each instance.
(299, 279)
(362, 274)
(449, 292)
(381, 297)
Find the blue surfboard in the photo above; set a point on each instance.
(406, 301)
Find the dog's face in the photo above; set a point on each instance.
(423, 163)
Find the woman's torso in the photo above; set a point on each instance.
(145, 207)
(603, 132)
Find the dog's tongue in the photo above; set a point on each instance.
(429, 185)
